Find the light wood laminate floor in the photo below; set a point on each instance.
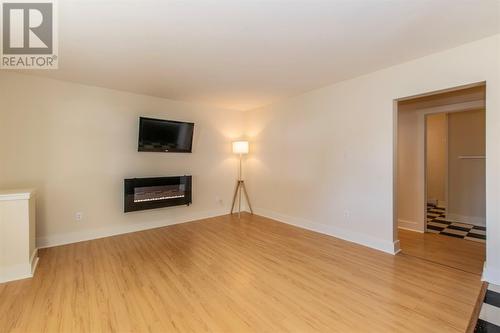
(459, 253)
(229, 275)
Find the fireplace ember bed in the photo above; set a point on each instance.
(158, 192)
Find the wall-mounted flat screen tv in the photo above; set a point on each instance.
(167, 136)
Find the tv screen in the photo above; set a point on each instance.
(159, 135)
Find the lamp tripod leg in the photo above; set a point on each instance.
(247, 197)
(234, 196)
(240, 184)
(240, 187)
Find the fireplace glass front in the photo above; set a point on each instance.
(149, 193)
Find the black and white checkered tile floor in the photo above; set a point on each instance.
(438, 224)
(489, 317)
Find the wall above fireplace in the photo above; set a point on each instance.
(157, 192)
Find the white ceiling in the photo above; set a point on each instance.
(242, 54)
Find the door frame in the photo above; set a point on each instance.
(421, 150)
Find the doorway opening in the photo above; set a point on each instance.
(440, 208)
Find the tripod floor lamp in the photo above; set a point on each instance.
(240, 148)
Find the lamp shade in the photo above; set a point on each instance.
(240, 147)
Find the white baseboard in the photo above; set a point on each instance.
(491, 275)
(475, 220)
(412, 230)
(15, 272)
(409, 225)
(432, 201)
(437, 202)
(397, 247)
(20, 271)
(348, 235)
(34, 261)
(85, 235)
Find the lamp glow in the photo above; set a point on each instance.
(240, 147)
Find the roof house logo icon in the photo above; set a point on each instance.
(28, 35)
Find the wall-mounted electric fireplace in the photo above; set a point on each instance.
(150, 193)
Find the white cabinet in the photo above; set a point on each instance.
(18, 252)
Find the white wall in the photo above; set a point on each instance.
(466, 176)
(436, 168)
(75, 144)
(410, 191)
(324, 160)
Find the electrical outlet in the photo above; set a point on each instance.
(347, 214)
(79, 216)
(218, 200)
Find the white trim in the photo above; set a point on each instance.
(432, 201)
(409, 225)
(85, 235)
(15, 272)
(494, 287)
(10, 195)
(19, 271)
(396, 247)
(454, 107)
(342, 233)
(491, 275)
(436, 202)
(475, 220)
(413, 230)
(34, 261)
